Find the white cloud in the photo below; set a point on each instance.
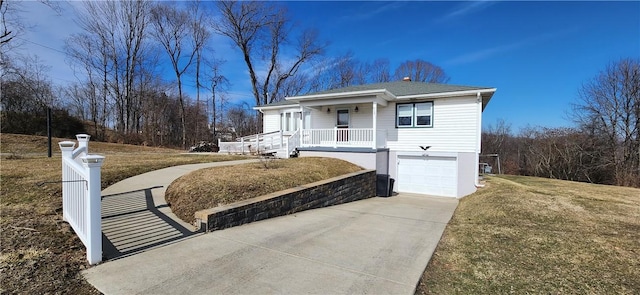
(467, 8)
(501, 49)
(370, 13)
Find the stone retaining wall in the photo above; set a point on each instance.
(338, 190)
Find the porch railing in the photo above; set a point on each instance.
(344, 137)
(334, 137)
(293, 142)
(257, 143)
(81, 201)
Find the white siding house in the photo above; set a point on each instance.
(425, 136)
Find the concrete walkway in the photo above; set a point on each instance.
(373, 246)
(135, 215)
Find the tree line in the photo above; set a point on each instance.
(125, 49)
(603, 146)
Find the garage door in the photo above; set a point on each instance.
(428, 175)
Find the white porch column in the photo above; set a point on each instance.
(301, 130)
(375, 129)
(301, 119)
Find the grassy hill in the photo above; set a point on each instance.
(40, 254)
(517, 235)
(527, 235)
(31, 145)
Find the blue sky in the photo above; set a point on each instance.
(537, 54)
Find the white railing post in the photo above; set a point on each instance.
(67, 151)
(335, 137)
(242, 144)
(257, 143)
(67, 148)
(83, 142)
(92, 164)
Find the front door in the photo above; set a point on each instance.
(343, 125)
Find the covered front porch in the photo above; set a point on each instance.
(331, 120)
(340, 122)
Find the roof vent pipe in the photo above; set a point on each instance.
(406, 79)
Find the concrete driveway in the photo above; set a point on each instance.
(374, 246)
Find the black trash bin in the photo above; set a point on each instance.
(382, 185)
(391, 181)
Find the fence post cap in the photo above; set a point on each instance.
(83, 137)
(66, 145)
(92, 160)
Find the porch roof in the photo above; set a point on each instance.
(277, 105)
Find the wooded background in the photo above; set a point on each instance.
(122, 93)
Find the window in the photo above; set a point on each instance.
(414, 115)
(405, 115)
(289, 121)
(343, 118)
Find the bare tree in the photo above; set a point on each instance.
(260, 31)
(172, 28)
(609, 105)
(218, 83)
(378, 71)
(335, 72)
(242, 121)
(346, 72)
(9, 22)
(92, 60)
(200, 36)
(110, 50)
(25, 95)
(421, 71)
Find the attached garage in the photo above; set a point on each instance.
(430, 175)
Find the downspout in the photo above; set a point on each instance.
(478, 139)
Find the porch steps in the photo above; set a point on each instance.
(278, 153)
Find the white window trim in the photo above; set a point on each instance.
(414, 115)
(348, 113)
(292, 123)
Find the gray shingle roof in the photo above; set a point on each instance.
(402, 88)
(282, 103)
(397, 88)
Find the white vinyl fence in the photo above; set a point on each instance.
(253, 144)
(81, 201)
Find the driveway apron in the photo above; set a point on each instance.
(377, 245)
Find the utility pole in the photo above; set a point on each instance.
(214, 83)
(49, 132)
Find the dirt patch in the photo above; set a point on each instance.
(212, 187)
